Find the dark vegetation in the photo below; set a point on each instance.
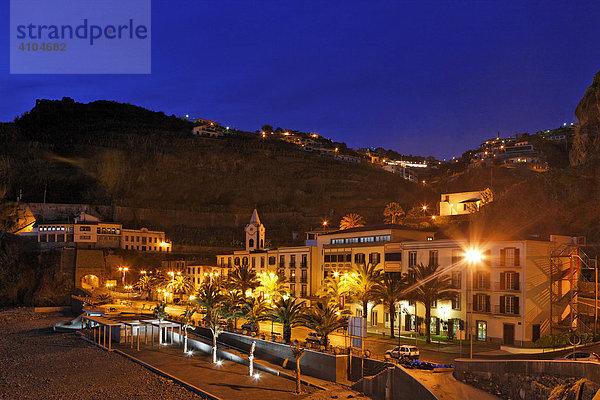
(118, 154)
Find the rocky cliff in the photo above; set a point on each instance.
(586, 146)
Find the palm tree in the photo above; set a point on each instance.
(159, 311)
(298, 354)
(208, 297)
(390, 291)
(364, 282)
(144, 284)
(335, 287)
(187, 324)
(255, 310)
(212, 317)
(230, 307)
(180, 285)
(272, 284)
(352, 220)
(393, 213)
(288, 312)
(324, 319)
(242, 280)
(429, 285)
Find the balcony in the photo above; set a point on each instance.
(498, 287)
(508, 314)
(292, 279)
(303, 265)
(303, 280)
(292, 264)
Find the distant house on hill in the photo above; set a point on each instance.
(205, 127)
(464, 202)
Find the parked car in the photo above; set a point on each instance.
(250, 327)
(314, 338)
(580, 356)
(404, 352)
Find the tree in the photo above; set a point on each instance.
(272, 284)
(208, 297)
(324, 319)
(255, 310)
(393, 213)
(181, 285)
(429, 285)
(390, 291)
(187, 324)
(267, 128)
(364, 282)
(298, 354)
(242, 280)
(334, 287)
(288, 312)
(352, 220)
(145, 284)
(230, 307)
(159, 311)
(212, 318)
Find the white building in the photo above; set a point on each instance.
(464, 202)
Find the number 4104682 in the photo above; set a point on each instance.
(43, 46)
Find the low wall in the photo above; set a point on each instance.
(576, 369)
(52, 309)
(400, 384)
(325, 366)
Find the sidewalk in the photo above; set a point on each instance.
(229, 381)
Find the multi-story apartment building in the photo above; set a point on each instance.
(88, 232)
(145, 240)
(502, 297)
(295, 263)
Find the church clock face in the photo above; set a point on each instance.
(251, 229)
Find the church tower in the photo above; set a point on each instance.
(255, 233)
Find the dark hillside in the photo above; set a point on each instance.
(119, 154)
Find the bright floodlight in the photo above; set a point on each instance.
(256, 376)
(473, 255)
(219, 363)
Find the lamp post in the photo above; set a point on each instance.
(473, 256)
(123, 270)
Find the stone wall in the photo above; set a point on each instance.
(320, 365)
(400, 384)
(530, 379)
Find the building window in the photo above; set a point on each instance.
(281, 261)
(292, 261)
(303, 276)
(433, 257)
(253, 262)
(374, 258)
(393, 256)
(509, 305)
(456, 301)
(303, 263)
(359, 258)
(510, 257)
(457, 256)
(412, 258)
(327, 258)
(434, 304)
(262, 262)
(456, 279)
(292, 289)
(303, 291)
(481, 330)
(272, 260)
(245, 261)
(481, 303)
(236, 261)
(251, 243)
(509, 281)
(482, 280)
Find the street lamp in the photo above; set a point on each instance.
(472, 256)
(123, 270)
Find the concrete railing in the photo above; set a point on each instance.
(396, 382)
(320, 365)
(578, 369)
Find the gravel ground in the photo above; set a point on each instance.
(37, 363)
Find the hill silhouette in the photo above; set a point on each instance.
(119, 154)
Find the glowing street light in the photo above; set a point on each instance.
(123, 270)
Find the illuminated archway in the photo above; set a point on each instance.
(90, 281)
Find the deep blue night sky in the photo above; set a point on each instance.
(427, 78)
